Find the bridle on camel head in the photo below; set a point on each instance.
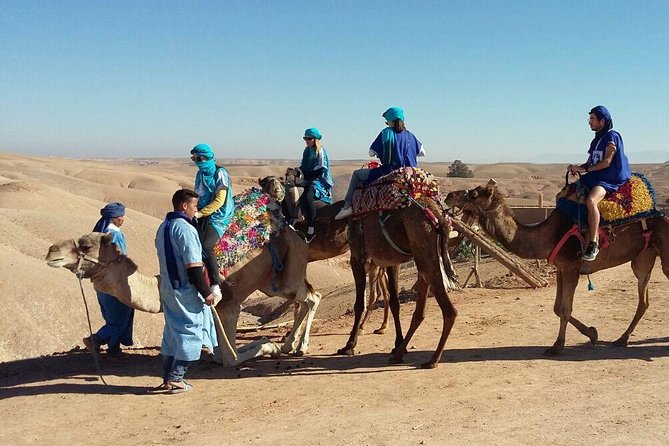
(83, 256)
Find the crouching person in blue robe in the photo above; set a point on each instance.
(189, 323)
(118, 317)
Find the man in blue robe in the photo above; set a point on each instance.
(606, 169)
(118, 317)
(189, 322)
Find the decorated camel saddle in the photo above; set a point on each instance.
(394, 191)
(634, 200)
(257, 219)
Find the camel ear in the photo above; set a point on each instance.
(491, 187)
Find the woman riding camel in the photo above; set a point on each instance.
(316, 179)
(215, 208)
(606, 169)
(118, 317)
(395, 147)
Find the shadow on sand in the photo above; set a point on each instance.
(77, 367)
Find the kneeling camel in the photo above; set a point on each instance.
(95, 257)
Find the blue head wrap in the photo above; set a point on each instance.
(313, 133)
(208, 166)
(393, 113)
(112, 210)
(601, 112)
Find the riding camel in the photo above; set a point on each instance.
(405, 234)
(331, 238)
(95, 257)
(538, 242)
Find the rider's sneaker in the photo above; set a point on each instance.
(309, 237)
(344, 213)
(591, 252)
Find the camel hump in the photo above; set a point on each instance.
(635, 199)
(392, 191)
(256, 220)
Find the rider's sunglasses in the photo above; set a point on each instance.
(199, 158)
(307, 138)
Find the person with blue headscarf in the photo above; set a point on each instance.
(118, 317)
(395, 146)
(606, 169)
(316, 179)
(216, 207)
(184, 293)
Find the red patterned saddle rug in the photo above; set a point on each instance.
(392, 191)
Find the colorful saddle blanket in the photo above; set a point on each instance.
(632, 201)
(257, 219)
(390, 191)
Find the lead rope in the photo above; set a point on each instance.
(96, 358)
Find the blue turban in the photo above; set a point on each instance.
(313, 133)
(393, 113)
(602, 113)
(203, 150)
(112, 210)
(207, 167)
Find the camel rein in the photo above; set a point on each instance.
(80, 275)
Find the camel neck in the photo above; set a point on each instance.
(529, 242)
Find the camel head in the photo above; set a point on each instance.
(273, 186)
(481, 198)
(91, 253)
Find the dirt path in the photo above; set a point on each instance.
(493, 386)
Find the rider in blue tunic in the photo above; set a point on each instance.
(606, 169)
(395, 147)
(317, 181)
(118, 317)
(216, 207)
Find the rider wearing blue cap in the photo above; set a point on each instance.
(607, 168)
(118, 317)
(215, 207)
(395, 147)
(317, 182)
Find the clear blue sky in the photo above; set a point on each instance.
(481, 81)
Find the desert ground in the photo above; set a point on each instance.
(494, 384)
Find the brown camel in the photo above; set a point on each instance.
(331, 239)
(96, 258)
(537, 242)
(410, 231)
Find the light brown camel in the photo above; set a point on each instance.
(537, 242)
(98, 259)
(331, 239)
(410, 231)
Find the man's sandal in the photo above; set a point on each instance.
(176, 389)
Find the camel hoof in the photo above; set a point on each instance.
(298, 353)
(395, 360)
(553, 351)
(361, 330)
(622, 342)
(380, 331)
(592, 334)
(429, 365)
(346, 351)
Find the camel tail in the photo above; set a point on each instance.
(444, 229)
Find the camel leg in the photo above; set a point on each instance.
(382, 290)
(564, 300)
(393, 273)
(360, 277)
(312, 302)
(299, 335)
(229, 314)
(416, 319)
(642, 267)
(439, 286)
(372, 278)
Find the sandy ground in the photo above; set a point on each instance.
(494, 385)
